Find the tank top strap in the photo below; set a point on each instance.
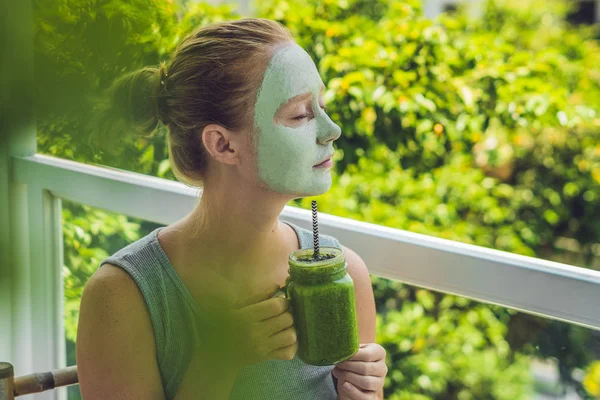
(305, 237)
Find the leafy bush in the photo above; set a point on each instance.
(592, 379)
(444, 347)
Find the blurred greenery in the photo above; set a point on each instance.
(592, 379)
(484, 131)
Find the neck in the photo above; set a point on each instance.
(237, 232)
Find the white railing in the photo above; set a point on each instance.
(531, 285)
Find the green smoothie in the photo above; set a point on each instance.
(323, 305)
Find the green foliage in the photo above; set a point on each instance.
(90, 235)
(80, 47)
(97, 41)
(454, 201)
(450, 349)
(592, 379)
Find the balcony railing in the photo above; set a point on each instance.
(532, 285)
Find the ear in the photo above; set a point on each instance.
(221, 143)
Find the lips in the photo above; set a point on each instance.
(327, 159)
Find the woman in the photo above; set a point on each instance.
(186, 312)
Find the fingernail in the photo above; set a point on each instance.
(347, 386)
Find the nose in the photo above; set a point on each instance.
(328, 131)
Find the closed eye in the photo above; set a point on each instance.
(300, 117)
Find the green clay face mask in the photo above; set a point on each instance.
(287, 152)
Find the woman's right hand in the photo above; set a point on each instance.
(262, 329)
(268, 331)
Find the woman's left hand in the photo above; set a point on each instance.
(362, 376)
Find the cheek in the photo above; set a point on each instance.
(301, 145)
(294, 142)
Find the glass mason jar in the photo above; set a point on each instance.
(323, 305)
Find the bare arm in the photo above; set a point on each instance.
(116, 352)
(365, 301)
(116, 357)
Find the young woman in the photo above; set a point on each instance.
(187, 311)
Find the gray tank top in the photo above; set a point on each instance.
(172, 308)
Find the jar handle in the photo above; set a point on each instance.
(282, 291)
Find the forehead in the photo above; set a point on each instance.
(291, 72)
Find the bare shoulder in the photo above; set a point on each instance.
(111, 289)
(356, 265)
(116, 356)
(112, 278)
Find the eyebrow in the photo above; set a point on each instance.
(301, 96)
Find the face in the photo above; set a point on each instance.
(293, 132)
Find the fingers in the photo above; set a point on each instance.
(351, 392)
(254, 296)
(286, 337)
(278, 323)
(284, 353)
(370, 352)
(371, 383)
(267, 308)
(282, 345)
(364, 368)
(364, 374)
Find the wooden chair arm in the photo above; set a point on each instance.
(40, 381)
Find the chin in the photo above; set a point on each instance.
(314, 191)
(314, 187)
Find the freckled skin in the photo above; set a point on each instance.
(286, 154)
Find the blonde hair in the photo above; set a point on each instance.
(213, 77)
